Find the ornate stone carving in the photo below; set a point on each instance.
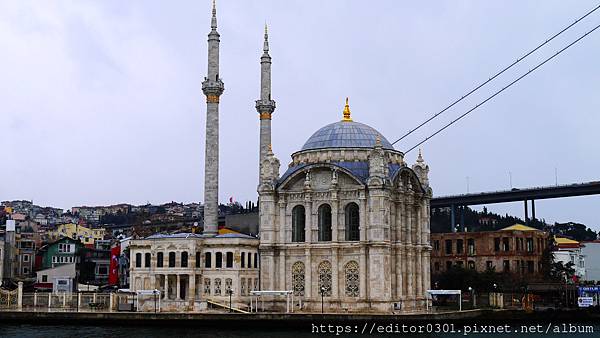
(324, 271)
(298, 278)
(352, 280)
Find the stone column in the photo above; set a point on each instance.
(308, 220)
(166, 286)
(334, 219)
(400, 271)
(283, 224)
(363, 227)
(335, 270)
(362, 267)
(308, 272)
(410, 273)
(281, 285)
(178, 287)
(192, 288)
(419, 272)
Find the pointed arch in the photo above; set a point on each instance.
(298, 223)
(352, 221)
(324, 218)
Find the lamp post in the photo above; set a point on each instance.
(230, 292)
(322, 299)
(154, 293)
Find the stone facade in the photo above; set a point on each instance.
(349, 222)
(190, 269)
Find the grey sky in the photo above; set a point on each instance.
(101, 100)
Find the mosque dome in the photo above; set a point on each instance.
(346, 134)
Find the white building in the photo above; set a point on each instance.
(190, 269)
(569, 251)
(592, 266)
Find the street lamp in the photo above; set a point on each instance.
(230, 292)
(322, 298)
(472, 291)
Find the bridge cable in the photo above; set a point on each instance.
(496, 75)
(504, 88)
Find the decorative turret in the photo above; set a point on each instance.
(213, 88)
(422, 170)
(377, 165)
(265, 106)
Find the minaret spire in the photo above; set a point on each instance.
(265, 106)
(213, 87)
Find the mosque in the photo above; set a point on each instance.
(346, 226)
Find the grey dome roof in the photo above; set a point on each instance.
(345, 134)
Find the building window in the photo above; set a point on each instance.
(298, 223)
(229, 260)
(228, 284)
(159, 259)
(448, 265)
(436, 245)
(298, 278)
(243, 286)
(459, 264)
(25, 258)
(459, 246)
(184, 259)
(249, 255)
(506, 265)
(217, 286)
(138, 260)
(256, 260)
(530, 267)
(352, 279)
(448, 247)
(324, 214)
(207, 286)
(25, 270)
(505, 244)
(147, 260)
(44, 278)
(243, 260)
(352, 217)
(471, 265)
(171, 259)
(489, 265)
(529, 244)
(207, 260)
(218, 262)
(324, 271)
(496, 244)
(198, 255)
(436, 266)
(471, 246)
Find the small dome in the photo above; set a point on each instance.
(346, 134)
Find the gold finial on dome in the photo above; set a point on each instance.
(347, 117)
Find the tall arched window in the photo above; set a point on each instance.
(147, 259)
(352, 279)
(352, 222)
(298, 278)
(184, 259)
(138, 260)
(159, 260)
(298, 223)
(171, 259)
(324, 271)
(325, 223)
(207, 260)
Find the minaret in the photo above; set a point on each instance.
(213, 88)
(265, 106)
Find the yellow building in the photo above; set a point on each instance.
(75, 231)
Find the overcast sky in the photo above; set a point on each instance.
(101, 101)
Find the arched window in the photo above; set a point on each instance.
(324, 271)
(324, 223)
(298, 223)
(198, 255)
(217, 286)
(219, 260)
(207, 260)
(298, 278)
(147, 259)
(171, 259)
(138, 260)
(352, 279)
(352, 222)
(229, 259)
(256, 260)
(243, 260)
(159, 260)
(184, 259)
